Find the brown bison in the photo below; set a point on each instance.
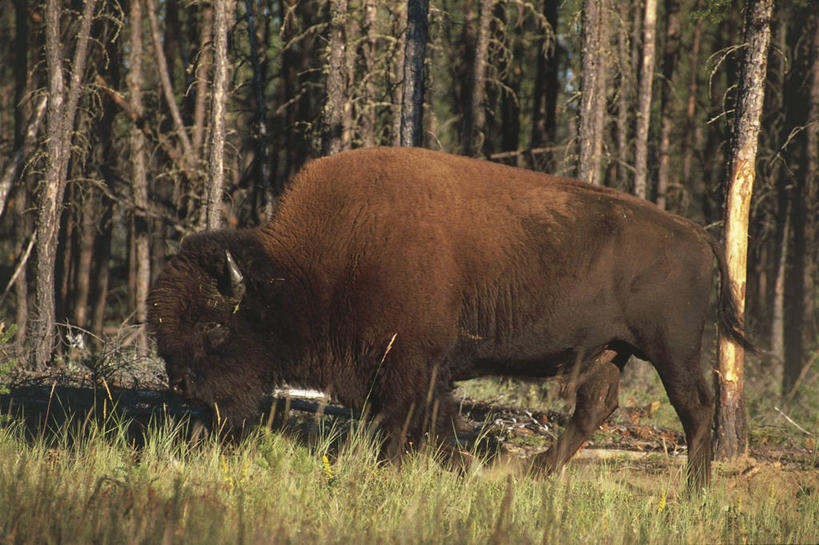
(389, 273)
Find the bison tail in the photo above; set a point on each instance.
(730, 320)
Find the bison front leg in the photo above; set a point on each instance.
(596, 399)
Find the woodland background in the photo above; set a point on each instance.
(179, 115)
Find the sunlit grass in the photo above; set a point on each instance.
(90, 482)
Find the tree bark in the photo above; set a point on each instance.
(731, 425)
(693, 132)
(475, 114)
(544, 103)
(203, 66)
(368, 137)
(593, 91)
(141, 251)
(625, 97)
(223, 17)
(333, 140)
(644, 101)
(671, 51)
(42, 329)
(412, 98)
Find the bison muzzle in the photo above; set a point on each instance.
(388, 274)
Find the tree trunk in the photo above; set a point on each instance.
(412, 98)
(625, 97)
(203, 66)
(693, 132)
(85, 254)
(223, 18)
(335, 86)
(544, 103)
(731, 426)
(644, 101)
(141, 264)
(398, 76)
(49, 202)
(263, 188)
(593, 91)
(799, 287)
(475, 114)
(670, 53)
(367, 116)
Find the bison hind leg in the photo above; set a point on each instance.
(596, 399)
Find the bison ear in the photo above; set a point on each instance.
(233, 280)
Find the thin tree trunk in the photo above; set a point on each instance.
(368, 136)
(15, 165)
(188, 152)
(85, 254)
(544, 104)
(670, 53)
(412, 99)
(216, 156)
(593, 91)
(644, 101)
(140, 252)
(625, 99)
(778, 306)
(731, 425)
(692, 133)
(48, 218)
(398, 79)
(799, 288)
(265, 187)
(203, 65)
(475, 114)
(332, 140)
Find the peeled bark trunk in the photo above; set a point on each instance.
(731, 438)
(644, 100)
(412, 100)
(223, 17)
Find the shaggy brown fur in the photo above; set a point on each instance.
(471, 268)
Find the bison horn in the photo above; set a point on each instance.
(237, 281)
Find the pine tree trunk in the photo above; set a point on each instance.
(593, 92)
(670, 53)
(412, 99)
(644, 100)
(544, 103)
(475, 114)
(223, 19)
(625, 97)
(731, 425)
(332, 140)
(203, 66)
(693, 133)
(368, 136)
(141, 251)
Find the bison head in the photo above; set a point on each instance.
(207, 316)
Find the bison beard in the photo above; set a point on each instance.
(464, 268)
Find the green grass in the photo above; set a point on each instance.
(88, 482)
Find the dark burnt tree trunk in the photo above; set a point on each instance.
(475, 113)
(412, 96)
(799, 278)
(693, 130)
(263, 180)
(333, 138)
(644, 100)
(671, 51)
(731, 422)
(593, 91)
(544, 99)
(223, 20)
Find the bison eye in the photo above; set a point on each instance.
(215, 335)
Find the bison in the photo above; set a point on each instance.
(387, 274)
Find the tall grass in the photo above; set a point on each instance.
(90, 482)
